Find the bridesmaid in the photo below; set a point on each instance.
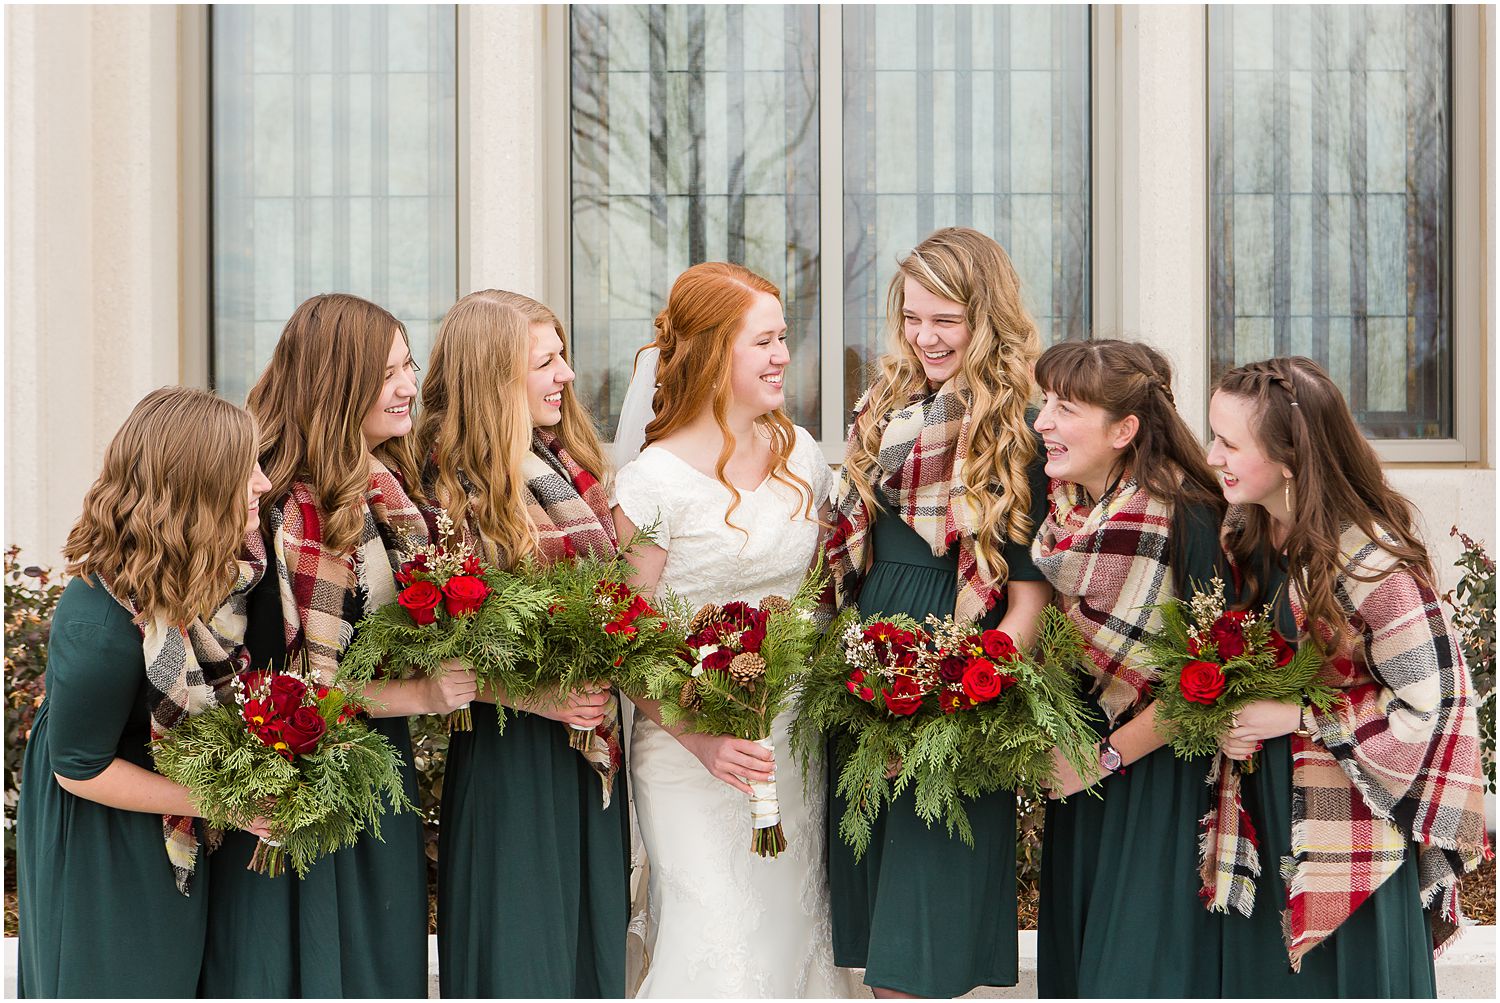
(113, 901)
(1376, 807)
(923, 913)
(334, 407)
(534, 849)
(1133, 521)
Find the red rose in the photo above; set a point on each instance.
(420, 600)
(857, 675)
(904, 696)
(866, 694)
(1202, 682)
(1283, 650)
(997, 644)
(464, 594)
(287, 693)
(951, 701)
(1228, 634)
(617, 627)
(981, 682)
(638, 607)
(951, 668)
(718, 661)
(752, 639)
(303, 730)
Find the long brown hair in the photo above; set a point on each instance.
(968, 268)
(325, 374)
(695, 334)
(1130, 378)
(165, 520)
(1302, 422)
(476, 422)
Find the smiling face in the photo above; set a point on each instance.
(759, 357)
(1083, 445)
(254, 488)
(390, 416)
(547, 372)
(1246, 474)
(937, 329)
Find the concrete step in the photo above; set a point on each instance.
(1465, 971)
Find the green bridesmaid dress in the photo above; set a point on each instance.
(355, 926)
(1384, 949)
(533, 874)
(922, 912)
(1119, 913)
(100, 913)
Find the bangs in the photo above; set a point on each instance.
(1073, 371)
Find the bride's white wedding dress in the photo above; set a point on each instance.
(725, 922)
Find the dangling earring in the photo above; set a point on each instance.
(1286, 494)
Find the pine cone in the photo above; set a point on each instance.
(746, 668)
(689, 699)
(706, 614)
(775, 604)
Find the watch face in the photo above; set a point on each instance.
(1109, 759)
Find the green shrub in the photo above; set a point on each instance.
(1473, 602)
(30, 597)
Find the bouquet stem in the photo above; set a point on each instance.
(268, 859)
(767, 838)
(580, 738)
(460, 720)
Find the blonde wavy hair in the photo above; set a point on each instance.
(325, 374)
(969, 268)
(476, 420)
(165, 521)
(695, 334)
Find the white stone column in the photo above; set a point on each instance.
(92, 247)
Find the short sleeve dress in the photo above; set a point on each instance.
(924, 913)
(100, 913)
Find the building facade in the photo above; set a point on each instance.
(1224, 183)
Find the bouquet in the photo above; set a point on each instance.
(451, 606)
(736, 672)
(595, 631)
(291, 750)
(1213, 661)
(953, 712)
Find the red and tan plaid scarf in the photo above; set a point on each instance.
(1110, 565)
(325, 594)
(923, 449)
(570, 509)
(1396, 762)
(189, 671)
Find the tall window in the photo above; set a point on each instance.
(694, 138)
(695, 135)
(334, 169)
(1330, 203)
(965, 116)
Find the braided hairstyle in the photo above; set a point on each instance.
(1165, 458)
(1302, 422)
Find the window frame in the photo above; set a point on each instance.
(1103, 232)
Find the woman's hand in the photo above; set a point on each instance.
(259, 826)
(732, 760)
(452, 688)
(583, 709)
(1065, 780)
(1255, 723)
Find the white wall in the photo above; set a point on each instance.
(94, 294)
(92, 304)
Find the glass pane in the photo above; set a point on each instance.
(965, 116)
(334, 170)
(665, 101)
(1329, 228)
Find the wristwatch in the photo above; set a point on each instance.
(1110, 760)
(1307, 725)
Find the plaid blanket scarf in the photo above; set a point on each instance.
(1110, 564)
(570, 509)
(923, 449)
(187, 672)
(325, 594)
(1396, 762)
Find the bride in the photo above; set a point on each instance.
(735, 491)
